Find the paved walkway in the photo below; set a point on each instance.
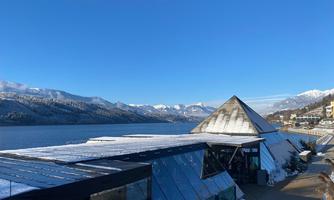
(306, 186)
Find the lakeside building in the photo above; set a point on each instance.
(180, 167)
(330, 110)
(309, 119)
(328, 122)
(234, 145)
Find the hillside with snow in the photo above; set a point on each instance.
(21, 104)
(22, 89)
(299, 101)
(193, 112)
(18, 109)
(15, 92)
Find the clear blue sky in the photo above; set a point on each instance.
(166, 51)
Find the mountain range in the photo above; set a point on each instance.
(20, 104)
(299, 101)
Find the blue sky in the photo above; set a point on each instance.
(166, 51)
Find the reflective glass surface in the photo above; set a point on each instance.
(157, 194)
(180, 177)
(137, 190)
(165, 180)
(193, 177)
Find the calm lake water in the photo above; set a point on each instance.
(17, 137)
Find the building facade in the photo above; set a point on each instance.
(330, 110)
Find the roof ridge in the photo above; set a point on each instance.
(241, 103)
(245, 107)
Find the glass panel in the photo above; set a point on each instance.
(295, 138)
(228, 194)
(116, 193)
(224, 180)
(272, 138)
(267, 161)
(193, 178)
(239, 194)
(157, 194)
(196, 163)
(254, 163)
(165, 181)
(180, 179)
(137, 190)
(211, 166)
(143, 185)
(212, 163)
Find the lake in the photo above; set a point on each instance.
(17, 137)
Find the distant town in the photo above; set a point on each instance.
(315, 118)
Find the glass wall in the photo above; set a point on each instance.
(192, 175)
(181, 177)
(276, 150)
(294, 138)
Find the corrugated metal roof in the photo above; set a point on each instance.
(236, 118)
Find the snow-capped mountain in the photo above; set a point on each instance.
(18, 109)
(16, 93)
(22, 89)
(301, 100)
(198, 110)
(316, 93)
(193, 110)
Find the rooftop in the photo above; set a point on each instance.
(107, 147)
(234, 117)
(19, 175)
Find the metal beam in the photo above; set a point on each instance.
(235, 152)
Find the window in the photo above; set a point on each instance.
(211, 165)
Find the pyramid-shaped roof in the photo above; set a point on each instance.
(234, 117)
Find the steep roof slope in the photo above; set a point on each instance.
(236, 118)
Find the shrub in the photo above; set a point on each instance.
(294, 164)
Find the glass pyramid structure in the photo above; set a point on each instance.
(234, 117)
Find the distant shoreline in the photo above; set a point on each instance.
(83, 124)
